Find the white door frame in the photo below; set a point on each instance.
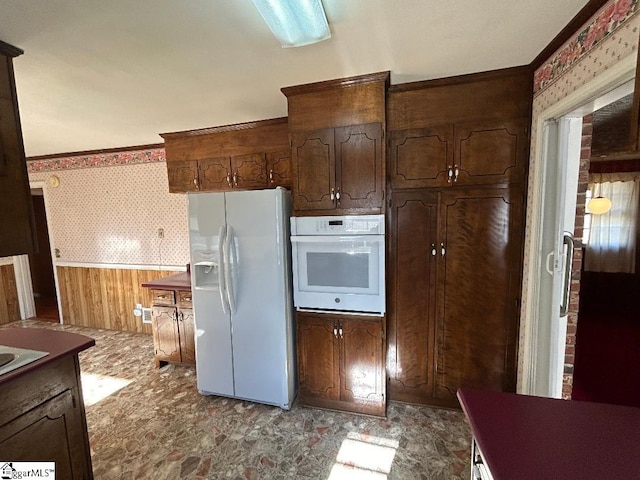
(23, 274)
(582, 101)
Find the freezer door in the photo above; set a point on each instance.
(261, 324)
(214, 366)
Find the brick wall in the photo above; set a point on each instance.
(574, 297)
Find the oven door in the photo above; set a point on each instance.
(339, 273)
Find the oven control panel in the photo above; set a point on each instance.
(338, 225)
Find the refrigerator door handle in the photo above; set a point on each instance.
(228, 277)
(221, 267)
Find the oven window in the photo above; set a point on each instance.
(338, 269)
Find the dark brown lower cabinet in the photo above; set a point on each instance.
(173, 327)
(43, 419)
(341, 362)
(454, 280)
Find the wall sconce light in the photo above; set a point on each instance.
(599, 205)
(295, 23)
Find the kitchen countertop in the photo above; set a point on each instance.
(177, 281)
(528, 437)
(58, 344)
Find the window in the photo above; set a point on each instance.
(611, 237)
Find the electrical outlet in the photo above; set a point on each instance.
(146, 315)
(161, 232)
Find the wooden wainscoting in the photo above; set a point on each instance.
(9, 306)
(105, 297)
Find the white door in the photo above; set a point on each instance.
(562, 154)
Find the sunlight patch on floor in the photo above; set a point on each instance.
(98, 387)
(364, 457)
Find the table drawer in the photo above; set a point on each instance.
(185, 300)
(163, 297)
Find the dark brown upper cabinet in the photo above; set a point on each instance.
(337, 131)
(16, 209)
(478, 152)
(338, 168)
(244, 156)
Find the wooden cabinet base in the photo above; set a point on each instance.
(43, 419)
(341, 362)
(373, 409)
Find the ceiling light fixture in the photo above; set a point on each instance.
(599, 205)
(295, 23)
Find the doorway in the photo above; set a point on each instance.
(544, 334)
(41, 264)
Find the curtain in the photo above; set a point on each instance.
(612, 241)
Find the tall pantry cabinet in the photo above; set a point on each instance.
(457, 154)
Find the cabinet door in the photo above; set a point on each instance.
(53, 431)
(318, 365)
(214, 174)
(313, 170)
(249, 171)
(413, 254)
(490, 152)
(477, 313)
(17, 235)
(362, 377)
(359, 167)
(421, 157)
(279, 169)
(183, 176)
(165, 334)
(187, 336)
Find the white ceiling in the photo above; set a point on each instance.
(115, 73)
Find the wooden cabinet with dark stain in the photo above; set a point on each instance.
(455, 279)
(341, 362)
(173, 327)
(337, 145)
(478, 152)
(43, 413)
(17, 235)
(338, 170)
(244, 156)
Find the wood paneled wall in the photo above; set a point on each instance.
(9, 307)
(105, 297)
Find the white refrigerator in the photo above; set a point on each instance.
(242, 300)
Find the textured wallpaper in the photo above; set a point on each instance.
(107, 209)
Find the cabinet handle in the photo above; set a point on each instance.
(340, 332)
(335, 331)
(187, 299)
(449, 174)
(338, 196)
(162, 296)
(271, 175)
(443, 250)
(229, 179)
(195, 182)
(433, 249)
(455, 173)
(333, 195)
(235, 178)
(181, 316)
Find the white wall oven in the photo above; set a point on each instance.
(338, 264)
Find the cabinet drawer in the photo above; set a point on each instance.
(162, 297)
(185, 299)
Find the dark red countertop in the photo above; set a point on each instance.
(177, 281)
(525, 437)
(58, 344)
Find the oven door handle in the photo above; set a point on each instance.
(336, 238)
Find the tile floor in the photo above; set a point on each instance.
(152, 423)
